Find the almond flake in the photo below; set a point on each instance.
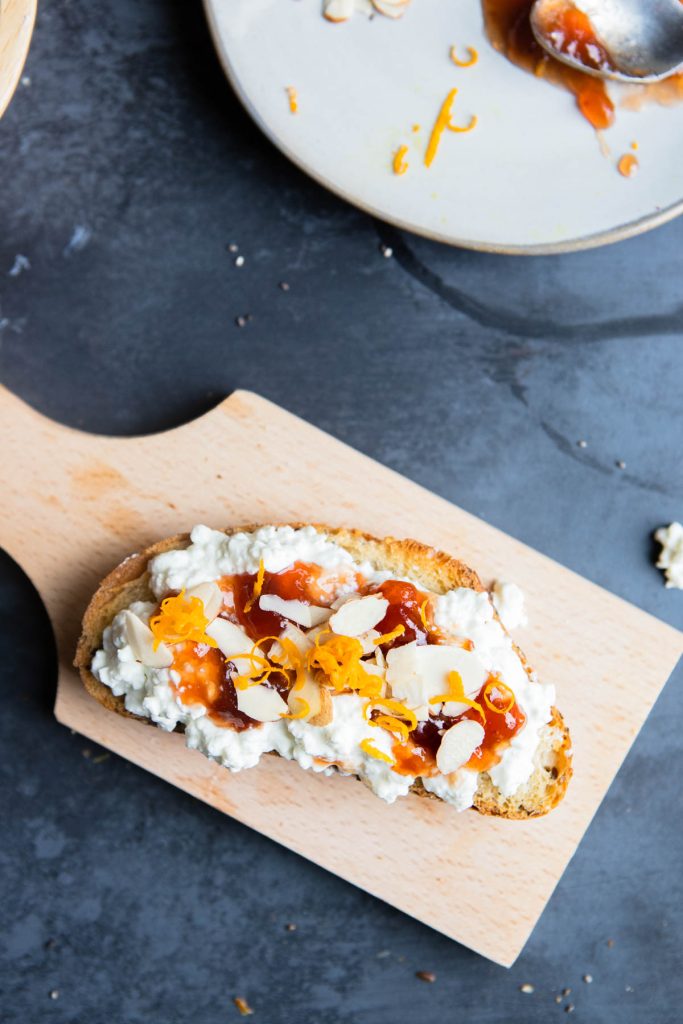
(261, 703)
(457, 746)
(418, 673)
(307, 615)
(232, 641)
(359, 615)
(140, 638)
(211, 596)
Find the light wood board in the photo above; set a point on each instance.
(16, 28)
(74, 505)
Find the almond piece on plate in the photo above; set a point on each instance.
(307, 615)
(140, 639)
(458, 744)
(261, 703)
(338, 10)
(391, 8)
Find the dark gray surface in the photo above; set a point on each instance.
(474, 375)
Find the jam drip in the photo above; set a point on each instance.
(509, 30)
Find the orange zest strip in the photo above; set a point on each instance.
(367, 748)
(339, 659)
(456, 692)
(439, 128)
(386, 638)
(423, 614)
(392, 721)
(461, 129)
(473, 57)
(258, 587)
(400, 164)
(293, 97)
(180, 619)
(442, 123)
(505, 692)
(305, 710)
(255, 675)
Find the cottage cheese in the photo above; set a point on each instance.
(671, 556)
(149, 692)
(508, 600)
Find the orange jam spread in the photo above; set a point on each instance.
(509, 30)
(301, 582)
(205, 679)
(406, 604)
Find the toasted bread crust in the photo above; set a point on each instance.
(436, 570)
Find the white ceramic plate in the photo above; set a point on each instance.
(531, 178)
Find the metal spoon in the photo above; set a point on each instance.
(643, 38)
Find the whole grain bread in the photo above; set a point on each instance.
(432, 569)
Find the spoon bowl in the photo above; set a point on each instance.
(625, 40)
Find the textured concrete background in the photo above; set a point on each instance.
(127, 169)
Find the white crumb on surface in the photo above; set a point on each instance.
(508, 600)
(671, 556)
(80, 237)
(20, 263)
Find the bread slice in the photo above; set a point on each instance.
(431, 569)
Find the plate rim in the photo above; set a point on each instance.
(620, 233)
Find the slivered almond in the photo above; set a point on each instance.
(458, 744)
(417, 673)
(140, 639)
(307, 615)
(295, 636)
(359, 615)
(326, 711)
(318, 699)
(339, 10)
(391, 8)
(232, 641)
(211, 596)
(261, 703)
(369, 641)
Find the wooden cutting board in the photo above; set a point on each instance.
(17, 18)
(76, 504)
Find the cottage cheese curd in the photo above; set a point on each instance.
(671, 556)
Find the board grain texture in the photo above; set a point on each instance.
(76, 504)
